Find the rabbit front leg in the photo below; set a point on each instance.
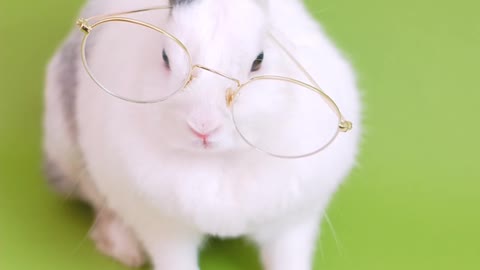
(113, 238)
(175, 252)
(171, 247)
(289, 246)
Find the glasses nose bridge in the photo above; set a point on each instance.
(231, 93)
(237, 82)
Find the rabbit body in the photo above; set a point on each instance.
(162, 190)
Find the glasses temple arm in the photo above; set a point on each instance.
(344, 124)
(300, 66)
(125, 13)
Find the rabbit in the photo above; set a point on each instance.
(162, 177)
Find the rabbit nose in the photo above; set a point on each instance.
(203, 136)
(203, 129)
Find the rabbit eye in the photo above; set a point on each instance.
(257, 63)
(165, 59)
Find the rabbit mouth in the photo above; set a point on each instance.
(210, 145)
(206, 145)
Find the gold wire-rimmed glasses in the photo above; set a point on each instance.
(267, 132)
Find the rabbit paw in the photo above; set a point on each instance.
(116, 240)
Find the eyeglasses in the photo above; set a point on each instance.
(273, 114)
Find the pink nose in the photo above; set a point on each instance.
(203, 132)
(203, 136)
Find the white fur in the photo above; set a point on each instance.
(158, 179)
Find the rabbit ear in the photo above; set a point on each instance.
(180, 2)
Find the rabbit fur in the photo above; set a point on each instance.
(156, 191)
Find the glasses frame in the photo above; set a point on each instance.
(231, 94)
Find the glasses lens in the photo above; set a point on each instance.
(283, 118)
(135, 62)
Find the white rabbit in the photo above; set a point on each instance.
(156, 188)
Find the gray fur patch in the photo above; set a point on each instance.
(56, 179)
(180, 2)
(67, 79)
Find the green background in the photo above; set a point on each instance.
(413, 202)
